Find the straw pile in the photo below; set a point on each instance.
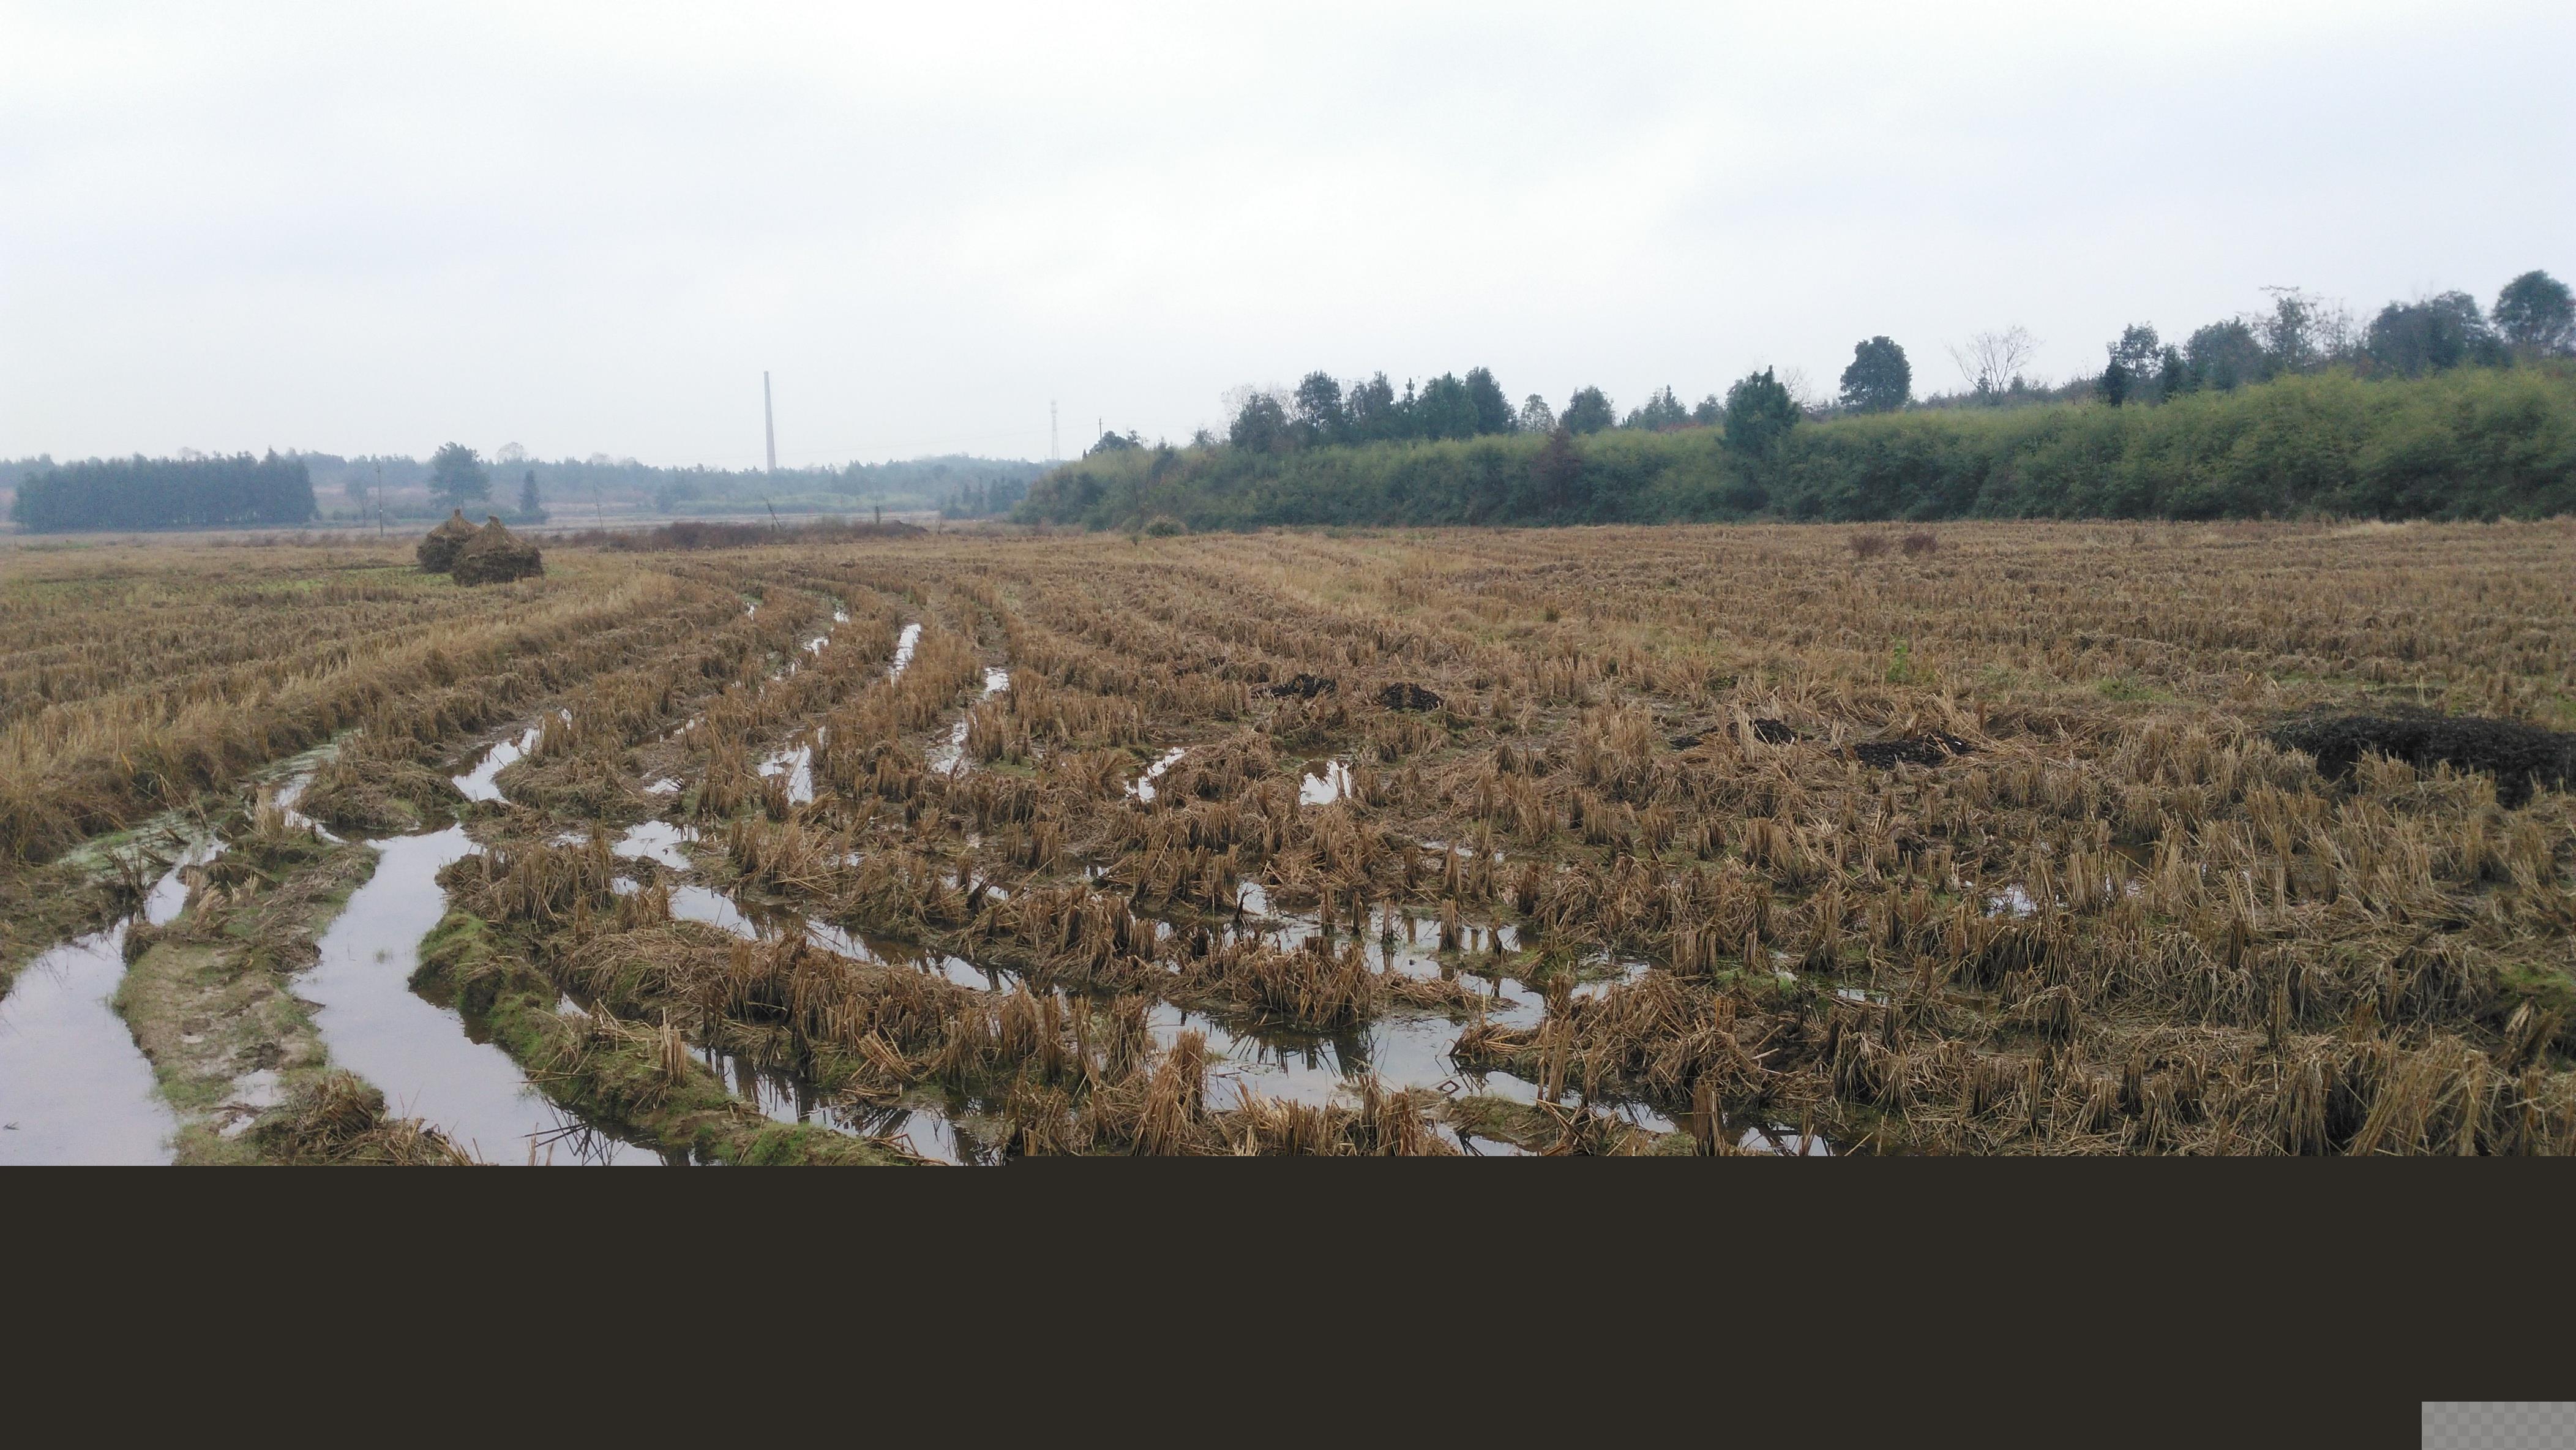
(496, 556)
(437, 553)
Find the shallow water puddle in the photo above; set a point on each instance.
(797, 764)
(949, 757)
(1625, 974)
(477, 784)
(1402, 1049)
(422, 1055)
(656, 841)
(74, 1089)
(761, 922)
(1142, 787)
(785, 1098)
(904, 644)
(1779, 1141)
(1324, 782)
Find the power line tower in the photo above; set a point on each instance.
(768, 420)
(1055, 443)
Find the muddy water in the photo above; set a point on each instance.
(74, 1089)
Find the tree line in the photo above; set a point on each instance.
(2534, 317)
(148, 493)
(165, 493)
(1328, 452)
(2462, 443)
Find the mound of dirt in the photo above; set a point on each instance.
(437, 552)
(496, 556)
(1303, 687)
(2517, 755)
(1407, 696)
(1929, 748)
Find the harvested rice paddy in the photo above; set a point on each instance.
(956, 848)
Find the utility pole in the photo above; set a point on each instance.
(1055, 442)
(768, 420)
(380, 503)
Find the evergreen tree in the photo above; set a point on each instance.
(2537, 313)
(1493, 410)
(457, 476)
(1446, 409)
(1315, 410)
(1662, 413)
(1370, 411)
(1879, 379)
(531, 507)
(1262, 426)
(2140, 354)
(2114, 385)
(1588, 411)
(2412, 338)
(1759, 414)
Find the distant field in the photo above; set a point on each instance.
(1983, 838)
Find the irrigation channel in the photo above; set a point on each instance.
(74, 1088)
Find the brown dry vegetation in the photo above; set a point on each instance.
(1987, 847)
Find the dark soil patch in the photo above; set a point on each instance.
(1408, 696)
(2517, 755)
(1302, 687)
(1929, 748)
(1775, 732)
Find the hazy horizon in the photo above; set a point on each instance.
(589, 230)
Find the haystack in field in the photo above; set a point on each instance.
(437, 553)
(496, 556)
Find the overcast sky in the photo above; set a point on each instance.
(376, 227)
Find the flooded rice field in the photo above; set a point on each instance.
(954, 851)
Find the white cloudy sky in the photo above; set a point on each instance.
(376, 227)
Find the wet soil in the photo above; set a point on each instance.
(2517, 755)
(1930, 748)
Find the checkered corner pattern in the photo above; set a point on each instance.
(2500, 1425)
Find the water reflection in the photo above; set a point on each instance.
(478, 784)
(74, 1087)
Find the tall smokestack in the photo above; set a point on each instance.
(768, 420)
